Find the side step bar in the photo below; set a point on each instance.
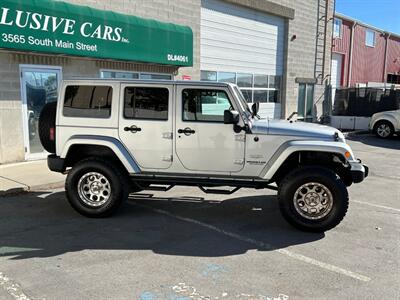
(206, 185)
(218, 191)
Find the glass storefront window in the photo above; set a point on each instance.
(273, 96)
(260, 96)
(248, 95)
(260, 81)
(254, 87)
(275, 82)
(227, 77)
(245, 80)
(134, 75)
(208, 76)
(305, 102)
(40, 86)
(121, 75)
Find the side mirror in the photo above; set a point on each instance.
(231, 117)
(255, 108)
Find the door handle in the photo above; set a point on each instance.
(133, 129)
(187, 131)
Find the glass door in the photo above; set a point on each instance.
(305, 102)
(39, 85)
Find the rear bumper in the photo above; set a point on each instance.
(358, 171)
(56, 164)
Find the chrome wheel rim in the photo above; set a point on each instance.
(313, 200)
(94, 189)
(383, 130)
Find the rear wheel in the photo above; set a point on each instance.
(313, 199)
(384, 129)
(96, 188)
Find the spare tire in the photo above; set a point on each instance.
(47, 127)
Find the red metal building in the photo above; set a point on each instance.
(363, 54)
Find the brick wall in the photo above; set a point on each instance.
(302, 52)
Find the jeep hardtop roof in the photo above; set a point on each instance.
(139, 81)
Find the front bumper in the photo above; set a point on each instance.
(358, 171)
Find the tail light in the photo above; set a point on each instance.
(52, 134)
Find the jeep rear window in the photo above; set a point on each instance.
(146, 103)
(87, 101)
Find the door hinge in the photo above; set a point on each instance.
(168, 158)
(168, 135)
(240, 137)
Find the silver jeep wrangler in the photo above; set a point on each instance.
(114, 137)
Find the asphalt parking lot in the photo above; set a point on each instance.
(184, 244)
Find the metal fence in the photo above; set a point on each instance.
(364, 102)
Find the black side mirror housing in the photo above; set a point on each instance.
(255, 108)
(231, 117)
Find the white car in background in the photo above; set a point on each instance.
(386, 123)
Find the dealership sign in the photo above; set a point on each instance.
(62, 28)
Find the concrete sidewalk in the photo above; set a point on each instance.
(26, 176)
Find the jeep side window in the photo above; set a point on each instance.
(87, 101)
(201, 105)
(146, 103)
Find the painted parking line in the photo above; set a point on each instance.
(376, 205)
(263, 245)
(12, 288)
(49, 193)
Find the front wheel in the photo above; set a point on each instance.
(384, 129)
(96, 188)
(313, 199)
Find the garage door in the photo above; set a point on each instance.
(237, 42)
(336, 70)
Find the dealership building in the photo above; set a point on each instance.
(277, 51)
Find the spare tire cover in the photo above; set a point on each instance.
(47, 126)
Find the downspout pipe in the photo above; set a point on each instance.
(387, 36)
(351, 54)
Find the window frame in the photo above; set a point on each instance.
(140, 74)
(367, 30)
(204, 89)
(149, 87)
(306, 118)
(86, 117)
(340, 25)
(253, 88)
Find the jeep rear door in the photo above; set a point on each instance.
(145, 125)
(203, 142)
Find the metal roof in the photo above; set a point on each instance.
(347, 18)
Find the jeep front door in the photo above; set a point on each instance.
(203, 142)
(145, 125)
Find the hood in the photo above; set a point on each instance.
(298, 129)
(388, 112)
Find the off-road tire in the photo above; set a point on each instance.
(47, 122)
(388, 124)
(117, 178)
(308, 174)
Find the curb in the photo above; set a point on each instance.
(20, 191)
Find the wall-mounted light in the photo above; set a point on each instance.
(293, 37)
